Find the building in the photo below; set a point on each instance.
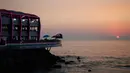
(17, 26)
(22, 30)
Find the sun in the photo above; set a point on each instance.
(117, 37)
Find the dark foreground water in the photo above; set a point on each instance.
(97, 56)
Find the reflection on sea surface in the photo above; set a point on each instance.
(97, 56)
(96, 65)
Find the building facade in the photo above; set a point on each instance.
(19, 26)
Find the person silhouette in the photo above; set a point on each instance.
(78, 58)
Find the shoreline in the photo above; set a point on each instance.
(34, 60)
(22, 60)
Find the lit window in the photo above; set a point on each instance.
(15, 28)
(24, 28)
(32, 21)
(35, 28)
(37, 20)
(30, 28)
(23, 20)
(14, 19)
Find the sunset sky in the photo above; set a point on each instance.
(78, 19)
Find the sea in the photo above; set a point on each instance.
(106, 56)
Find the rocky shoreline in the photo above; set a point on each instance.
(42, 61)
(26, 60)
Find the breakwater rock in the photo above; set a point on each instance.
(26, 60)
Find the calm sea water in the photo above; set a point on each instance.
(94, 48)
(99, 56)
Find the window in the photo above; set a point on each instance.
(37, 20)
(15, 27)
(5, 28)
(14, 19)
(34, 20)
(23, 37)
(23, 20)
(34, 28)
(33, 38)
(15, 37)
(24, 28)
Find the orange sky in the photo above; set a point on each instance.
(111, 17)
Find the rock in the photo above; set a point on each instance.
(89, 70)
(61, 61)
(78, 57)
(26, 59)
(69, 62)
(62, 57)
(127, 66)
(56, 66)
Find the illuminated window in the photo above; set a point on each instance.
(23, 20)
(15, 27)
(33, 28)
(24, 28)
(34, 20)
(37, 20)
(14, 19)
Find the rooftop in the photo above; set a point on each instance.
(17, 13)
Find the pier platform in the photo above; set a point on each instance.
(32, 44)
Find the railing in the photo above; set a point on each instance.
(33, 41)
(32, 44)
